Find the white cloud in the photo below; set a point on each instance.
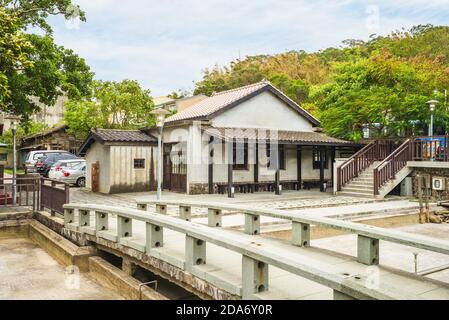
(166, 44)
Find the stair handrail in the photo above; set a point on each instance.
(359, 161)
(391, 165)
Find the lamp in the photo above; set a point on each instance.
(432, 106)
(13, 119)
(160, 115)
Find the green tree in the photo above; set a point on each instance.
(36, 12)
(52, 71)
(115, 105)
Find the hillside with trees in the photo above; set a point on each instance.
(384, 82)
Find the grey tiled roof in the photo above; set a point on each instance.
(299, 137)
(113, 135)
(219, 102)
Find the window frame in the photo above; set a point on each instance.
(282, 156)
(245, 164)
(142, 164)
(316, 155)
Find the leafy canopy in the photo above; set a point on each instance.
(114, 105)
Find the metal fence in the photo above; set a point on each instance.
(34, 193)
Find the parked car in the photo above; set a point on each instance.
(74, 174)
(32, 157)
(44, 164)
(56, 170)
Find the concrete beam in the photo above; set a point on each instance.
(300, 234)
(185, 212)
(101, 221)
(195, 252)
(84, 218)
(341, 296)
(124, 227)
(142, 206)
(214, 217)
(367, 250)
(254, 277)
(252, 224)
(69, 216)
(161, 208)
(154, 236)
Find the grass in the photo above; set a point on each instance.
(19, 171)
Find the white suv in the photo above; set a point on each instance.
(33, 156)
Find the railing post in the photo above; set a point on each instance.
(252, 224)
(41, 204)
(142, 206)
(154, 236)
(185, 213)
(367, 250)
(195, 252)
(124, 227)
(83, 218)
(161, 208)
(52, 210)
(300, 234)
(69, 216)
(101, 221)
(214, 217)
(254, 277)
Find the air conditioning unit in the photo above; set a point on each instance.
(439, 183)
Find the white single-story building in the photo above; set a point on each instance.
(247, 139)
(120, 161)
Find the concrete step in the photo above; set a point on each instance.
(355, 194)
(358, 190)
(359, 186)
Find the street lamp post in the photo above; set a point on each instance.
(13, 119)
(432, 105)
(160, 114)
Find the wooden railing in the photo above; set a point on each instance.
(388, 168)
(351, 169)
(431, 148)
(54, 195)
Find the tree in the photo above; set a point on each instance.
(13, 48)
(115, 105)
(36, 12)
(52, 71)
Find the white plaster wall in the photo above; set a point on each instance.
(263, 111)
(123, 174)
(98, 152)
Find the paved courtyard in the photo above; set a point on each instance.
(289, 200)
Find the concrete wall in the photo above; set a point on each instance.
(124, 177)
(99, 152)
(117, 173)
(263, 111)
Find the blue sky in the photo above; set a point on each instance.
(166, 44)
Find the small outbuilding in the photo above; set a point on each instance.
(119, 161)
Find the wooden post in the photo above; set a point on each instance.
(230, 165)
(256, 165)
(332, 164)
(322, 155)
(299, 166)
(277, 177)
(211, 166)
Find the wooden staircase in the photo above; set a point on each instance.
(362, 185)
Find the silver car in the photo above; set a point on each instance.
(72, 172)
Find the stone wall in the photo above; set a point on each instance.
(433, 172)
(198, 188)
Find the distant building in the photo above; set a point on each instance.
(177, 105)
(119, 161)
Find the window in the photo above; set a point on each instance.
(139, 163)
(281, 157)
(3, 156)
(240, 155)
(316, 159)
